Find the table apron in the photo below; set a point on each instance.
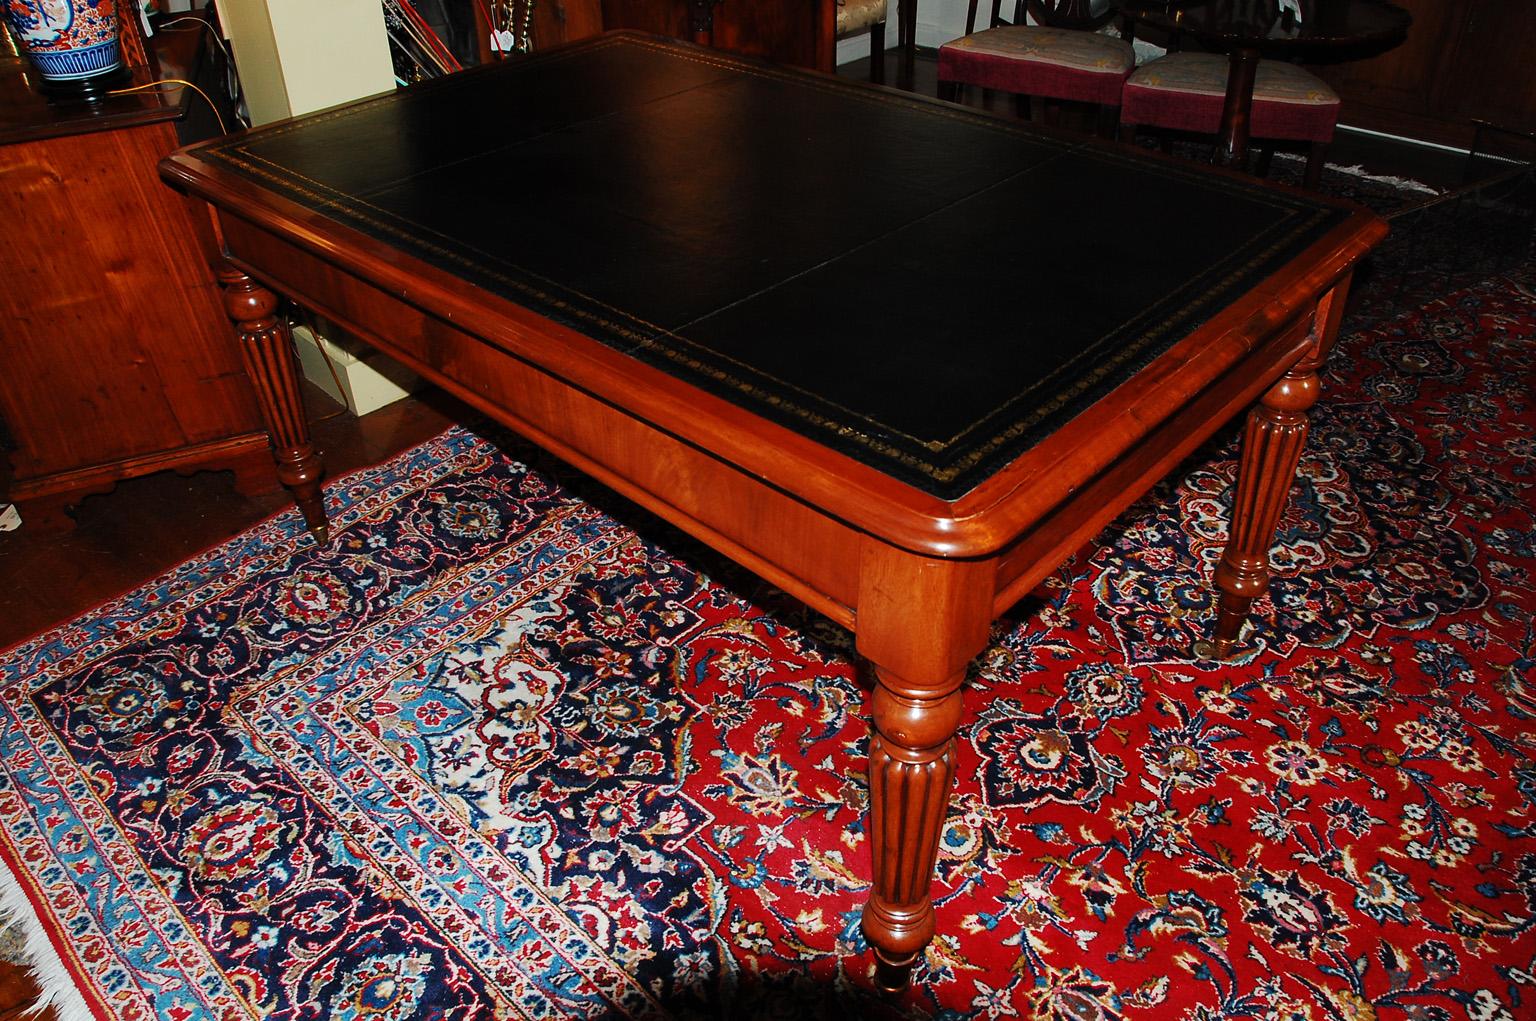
(805, 551)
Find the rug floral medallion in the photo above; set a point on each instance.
(503, 750)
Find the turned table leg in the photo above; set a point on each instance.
(911, 770)
(269, 361)
(920, 622)
(1273, 439)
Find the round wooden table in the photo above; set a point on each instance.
(1249, 29)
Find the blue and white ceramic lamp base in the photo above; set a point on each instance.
(70, 65)
(73, 45)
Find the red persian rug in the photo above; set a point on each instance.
(503, 750)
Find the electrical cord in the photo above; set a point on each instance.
(177, 83)
(231, 76)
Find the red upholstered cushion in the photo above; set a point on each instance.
(1185, 91)
(1038, 61)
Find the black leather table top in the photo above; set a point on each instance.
(926, 290)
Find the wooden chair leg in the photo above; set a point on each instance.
(1266, 157)
(907, 43)
(1108, 121)
(1317, 154)
(877, 53)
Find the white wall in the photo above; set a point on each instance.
(938, 21)
(298, 56)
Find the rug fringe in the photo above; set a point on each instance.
(43, 963)
(1402, 183)
(1356, 170)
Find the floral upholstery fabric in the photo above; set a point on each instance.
(1186, 92)
(1033, 60)
(1085, 51)
(857, 15)
(1206, 74)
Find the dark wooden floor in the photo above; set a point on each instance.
(148, 525)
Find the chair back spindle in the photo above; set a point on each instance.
(1089, 15)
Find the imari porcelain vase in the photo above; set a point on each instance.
(72, 44)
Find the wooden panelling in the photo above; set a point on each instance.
(1462, 60)
(797, 32)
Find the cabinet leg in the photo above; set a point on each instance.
(269, 360)
(50, 514)
(911, 770)
(1272, 442)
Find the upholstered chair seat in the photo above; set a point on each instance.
(858, 15)
(1036, 60)
(1055, 50)
(1185, 92)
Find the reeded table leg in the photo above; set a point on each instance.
(268, 352)
(911, 771)
(920, 623)
(1273, 439)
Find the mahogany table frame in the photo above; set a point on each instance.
(917, 579)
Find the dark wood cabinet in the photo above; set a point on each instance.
(116, 357)
(797, 32)
(1463, 60)
(565, 21)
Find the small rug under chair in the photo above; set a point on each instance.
(508, 748)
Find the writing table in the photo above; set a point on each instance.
(865, 344)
